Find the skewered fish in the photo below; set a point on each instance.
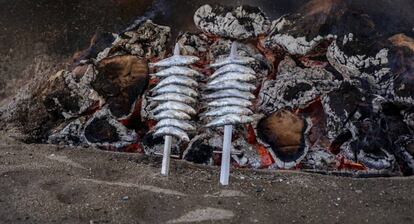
(229, 93)
(228, 110)
(176, 60)
(239, 60)
(177, 106)
(232, 84)
(183, 125)
(174, 97)
(230, 101)
(178, 80)
(172, 114)
(232, 68)
(178, 70)
(176, 89)
(175, 94)
(230, 119)
(172, 131)
(233, 76)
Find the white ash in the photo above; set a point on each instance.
(392, 92)
(68, 133)
(194, 44)
(295, 45)
(243, 22)
(354, 66)
(81, 89)
(84, 89)
(146, 107)
(248, 156)
(402, 154)
(158, 148)
(409, 119)
(319, 159)
(148, 40)
(294, 87)
(382, 160)
(335, 124)
(338, 116)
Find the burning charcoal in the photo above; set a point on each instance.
(68, 133)
(243, 22)
(148, 40)
(155, 145)
(375, 159)
(285, 136)
(404, 152)
(247, 155)
(409, 118)
(401, 88)
(340, 106)
(294, 87)
(199, 150)
(69, 94)
(371, 68)
(121, 80)
(194, 44)
(103, 130)
(301, 32)
(319, 159)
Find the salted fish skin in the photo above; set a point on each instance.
(174, 106)
(178, 70)
(243, 77)
(181, 124)
(232, 84)
(230, 101)
(221, 111)
(175, 89)
(172, 114)
(240, 60)
(229, 93)
(230, 119)
(177, 80)
(174, 97)
(232, 68)
(172, 131)
(176, 60)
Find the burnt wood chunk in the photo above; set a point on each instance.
(120, 81)
(285, 134)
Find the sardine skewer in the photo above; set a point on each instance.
(229, 98)
(174, 94)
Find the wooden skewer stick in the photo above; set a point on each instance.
(165, 168)
(228, 129)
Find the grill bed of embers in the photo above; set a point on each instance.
(334, 93)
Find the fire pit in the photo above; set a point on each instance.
(333, 93)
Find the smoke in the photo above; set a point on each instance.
(158, 8)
